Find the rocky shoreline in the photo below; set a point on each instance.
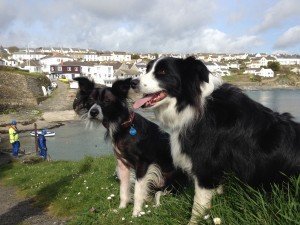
(48, 120)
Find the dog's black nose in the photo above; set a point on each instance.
(94, 112)
(134, 83)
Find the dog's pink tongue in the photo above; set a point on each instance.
(141, 102)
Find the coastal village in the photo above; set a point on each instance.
(104, 67)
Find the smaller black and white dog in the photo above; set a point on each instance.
(138, 143)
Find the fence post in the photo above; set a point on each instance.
(35, 139)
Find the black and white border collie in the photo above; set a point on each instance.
(138, 143)
(217, 129)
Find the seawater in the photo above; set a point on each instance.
(73, 141)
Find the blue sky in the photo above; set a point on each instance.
(182, 26)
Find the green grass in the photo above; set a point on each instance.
(19, 71)
(71, 189)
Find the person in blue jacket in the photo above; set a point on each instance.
(42, 144)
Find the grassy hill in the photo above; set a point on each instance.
(80, 191)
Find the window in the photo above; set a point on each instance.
(68, 68)
(76, 69)
(59, 68)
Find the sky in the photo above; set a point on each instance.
(154, 26)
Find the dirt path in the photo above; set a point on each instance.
(17, 210)
(61, 99)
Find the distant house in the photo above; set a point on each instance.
(91, 57)
(287, 60)
(55, 59)
(10, 62)
(214, 58)
(141, 67)
(148, 56)
(65, 71)
(254, 64)
(266, 72)
(21, 56)
(126, 71)
(33, 66)
(103, 74)
(233, 65)
(106, 57)
(121, 57)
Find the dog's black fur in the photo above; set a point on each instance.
(150, 146)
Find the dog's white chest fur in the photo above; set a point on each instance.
(180, 159)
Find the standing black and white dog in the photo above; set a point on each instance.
(138, 143)
(217, 129)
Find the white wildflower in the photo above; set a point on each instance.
(206, 217)
(142, 213)
(78, 193)
(217, 221)
(109, 198)
(66, 197)
(149, 211)
(146, 206)
(87, 188)
(112, 195)
(123, 218)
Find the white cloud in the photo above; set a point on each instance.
(288, 39)
(133, 25)
(278, 13)
(213, 40)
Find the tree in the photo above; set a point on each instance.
(275, 66)
(135, 56)
(13, 49)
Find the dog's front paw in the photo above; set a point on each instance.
(123, 205)
(136, 212)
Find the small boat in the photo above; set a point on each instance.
(48, 134)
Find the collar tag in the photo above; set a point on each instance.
(132, 131)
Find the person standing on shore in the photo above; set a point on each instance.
(14, 138)
(42, 144)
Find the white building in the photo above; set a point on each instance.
(266, 72)
(90, 57)
(103, 74)
(121, 57)
(33, 66)
(21, 56)
(47, 61)
(233, 65)
(10, 62)
(287, 60)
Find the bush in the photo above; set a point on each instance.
(255, 78)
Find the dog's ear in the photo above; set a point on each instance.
(120, 88)
(85, 85)
(197, 67)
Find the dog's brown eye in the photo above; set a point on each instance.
(161, 72)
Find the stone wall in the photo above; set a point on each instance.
(19, 90)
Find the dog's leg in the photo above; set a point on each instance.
(140, 193)
(124, 176)
(202, 201)
(140, 188)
